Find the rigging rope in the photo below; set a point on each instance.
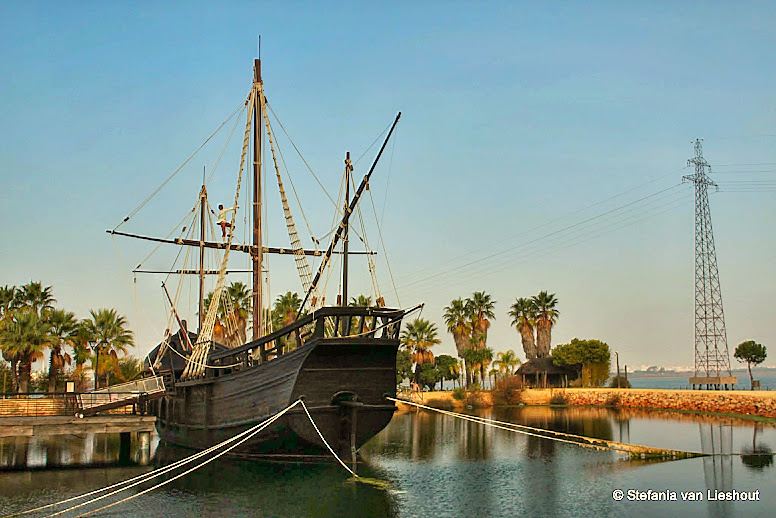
(385, 251)
(302, 266)
(205, 336)
(300, 155)
(137, 209)
(243, 437)
(296, 197)
(370, 259)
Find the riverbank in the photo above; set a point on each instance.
(738, 402)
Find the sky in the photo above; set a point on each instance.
(540, 147)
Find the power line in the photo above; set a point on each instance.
(564, 229)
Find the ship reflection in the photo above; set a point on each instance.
(278, 488)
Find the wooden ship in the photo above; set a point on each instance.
(341, 360)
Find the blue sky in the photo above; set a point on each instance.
(540, 148)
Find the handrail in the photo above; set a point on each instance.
(332, 311)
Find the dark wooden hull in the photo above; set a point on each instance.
(343, 382)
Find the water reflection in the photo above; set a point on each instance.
(60, 451)
(717, 441)
(250, 488)
(760, 455)
(442, 467)
(478, 470)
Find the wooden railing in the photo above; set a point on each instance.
(127, 398)
(325, 323)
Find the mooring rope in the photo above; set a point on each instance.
(618, 447)
(488, 422)
(160, 471)
(325, 442)
(258, 428)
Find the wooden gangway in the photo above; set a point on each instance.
(121, 395)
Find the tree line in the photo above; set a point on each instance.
(30, 324)
(468, 321)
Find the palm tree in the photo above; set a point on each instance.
(63, 329)
(523, 313)
(418, 337)
(23, 336)
(80, 341)
(110, 330)
(286, 308)
(458, 323)
(506, 361)
(480, 308)
(284, 313)
(129, 368)
(34, 295)
(8, 299)
(485, 358)
(361, 301)
(239, 298)
(546, 316)
(493, 377)
(471, 359)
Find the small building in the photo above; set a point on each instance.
(542, 373)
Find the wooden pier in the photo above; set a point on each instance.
(64, 425)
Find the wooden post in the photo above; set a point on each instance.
(616, 355)
(144, 443)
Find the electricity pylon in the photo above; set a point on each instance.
(712, 359)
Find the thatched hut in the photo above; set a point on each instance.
(542, 373)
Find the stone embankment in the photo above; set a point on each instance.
(740, 402)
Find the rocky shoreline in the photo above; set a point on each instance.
(738, 402)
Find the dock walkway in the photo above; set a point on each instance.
(65, 425)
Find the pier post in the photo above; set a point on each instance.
(144, 442)
(124, 444)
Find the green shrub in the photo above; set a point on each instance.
(475, 398)
(459, 393)
(612, 401)
(624, 383)
(508, 391)
(559, 398)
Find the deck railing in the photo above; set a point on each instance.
(349, 322)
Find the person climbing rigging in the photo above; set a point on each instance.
(222, 212)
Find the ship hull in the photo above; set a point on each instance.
(343, 383)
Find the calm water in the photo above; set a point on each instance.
(438, 466)
(767, 382)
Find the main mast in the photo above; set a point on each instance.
(258, 256)
(202, 201)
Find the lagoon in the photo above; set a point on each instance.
(441, 466)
